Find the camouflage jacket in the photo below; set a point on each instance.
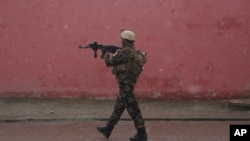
(118, 62)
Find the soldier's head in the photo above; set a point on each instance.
(128, 38)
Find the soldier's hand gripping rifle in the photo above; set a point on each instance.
(104, 48)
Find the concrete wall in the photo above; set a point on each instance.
(196, 48)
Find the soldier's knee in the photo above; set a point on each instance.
(134, 111)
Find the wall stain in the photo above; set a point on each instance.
(228, 24)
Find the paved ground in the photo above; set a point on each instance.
(32, 109)
(86, 131)
(76, 120)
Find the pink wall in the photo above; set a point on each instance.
(196, 48)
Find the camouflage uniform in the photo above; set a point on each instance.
(126, 81)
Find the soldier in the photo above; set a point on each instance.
(126, 75)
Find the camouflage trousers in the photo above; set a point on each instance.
(127, 100)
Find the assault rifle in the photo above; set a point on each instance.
(104, 48)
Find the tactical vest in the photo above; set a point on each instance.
(135, 64)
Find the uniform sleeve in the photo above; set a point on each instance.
(120, 58)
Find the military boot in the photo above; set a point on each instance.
(141, 135)
(106, 130)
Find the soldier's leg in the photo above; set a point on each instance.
(135, 112)
(133, 109)
(129, 100)
(118, 110)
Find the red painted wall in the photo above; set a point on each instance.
(196, 48)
